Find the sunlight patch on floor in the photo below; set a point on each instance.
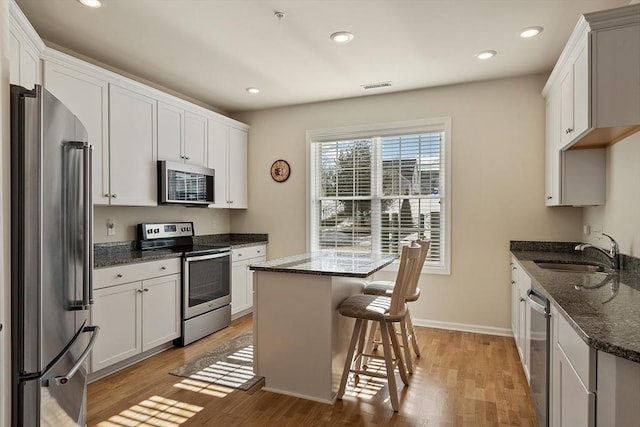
(155, 411)
(203, 387)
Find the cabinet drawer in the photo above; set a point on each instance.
(248, 252)
(126, 273)
(581, 357)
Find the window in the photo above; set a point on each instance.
(376, 188)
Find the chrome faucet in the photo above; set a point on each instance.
(613, 253)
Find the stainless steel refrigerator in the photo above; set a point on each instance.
(51, 261)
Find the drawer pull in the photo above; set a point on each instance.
(163, 268)
(119, 275)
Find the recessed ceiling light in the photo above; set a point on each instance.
(486, 54)
(253, 90)
(341, 37)
(527, 33)
(91, 3)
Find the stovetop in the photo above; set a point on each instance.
(174, 238)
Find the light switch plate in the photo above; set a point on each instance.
(111, 227)
(586, 229)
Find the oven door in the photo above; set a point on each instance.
(206, 283)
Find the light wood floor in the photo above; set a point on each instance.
(462, 379)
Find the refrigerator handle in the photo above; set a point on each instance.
(64, 379)
(87, 280)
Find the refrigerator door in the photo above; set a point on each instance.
(51, 218)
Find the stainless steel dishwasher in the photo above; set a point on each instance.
(539, 363)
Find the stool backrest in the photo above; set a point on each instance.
(424, 250)
(409, 262)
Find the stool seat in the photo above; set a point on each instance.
(385, 288)
(370, 307)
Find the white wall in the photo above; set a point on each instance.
(497, 185)
(5, 373)
(205, 220)
(620, 216)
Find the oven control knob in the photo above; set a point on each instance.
(156, 230)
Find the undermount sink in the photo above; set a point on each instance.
(570, 267)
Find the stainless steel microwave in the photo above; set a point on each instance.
(182, 184)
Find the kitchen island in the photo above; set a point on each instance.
(300, 340)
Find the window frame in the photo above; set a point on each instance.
(439, 124)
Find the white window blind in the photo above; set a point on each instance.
(377, 193)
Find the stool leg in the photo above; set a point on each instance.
(398, 355)
(388, 361)
(414, 339)
(361, 345)
(405, 345)
(349, 361)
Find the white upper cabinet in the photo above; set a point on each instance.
(24, 50)
(227, 154)
(597, 78)
(238, 142)
(195, 139)
(133, 142)
(170, 131)
(182, 135)
(87, 96)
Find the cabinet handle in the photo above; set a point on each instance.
(230, 201)
(182, 157)
(139, 291)
(119, 275)
(147, 290)
(259, 251)
(113, 196)
(163, 268)
(568, 130)
(187, 157)
(549, 197)
(513, 282)
(521, 299)
(106, 194)
(514, 267)
(239, 255)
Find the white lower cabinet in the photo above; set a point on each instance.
(137, 307)
(520, 313)
(242, 277)
(573, 377)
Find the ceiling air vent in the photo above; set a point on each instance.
(375, 85)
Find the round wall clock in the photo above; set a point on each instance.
(280, 170)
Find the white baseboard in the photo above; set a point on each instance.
(487, 330)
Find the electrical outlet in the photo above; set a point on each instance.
(596, 230)
(111, 227)
(586, 229)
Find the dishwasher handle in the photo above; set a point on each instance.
(540, 308)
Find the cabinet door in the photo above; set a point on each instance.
(132, 130)
(14, 58)
(581, 88)
(250, 275)
(237, 168)
(170, 132)
(239, 295)
(217, 158)
(572, 404)
(160, 310)
(117, 310)
(566, 107)
(87, 97)
(552, 149)
(195, 139)
(515, 303)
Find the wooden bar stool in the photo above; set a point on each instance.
(407, 332)
(383, 311)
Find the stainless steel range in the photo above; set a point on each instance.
(206, 277)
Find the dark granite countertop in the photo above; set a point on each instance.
(344, 264)
(603, 308)
(118, 253)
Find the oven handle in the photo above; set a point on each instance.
(188, 259)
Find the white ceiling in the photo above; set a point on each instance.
(211, 50)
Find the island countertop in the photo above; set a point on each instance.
(344, 264)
